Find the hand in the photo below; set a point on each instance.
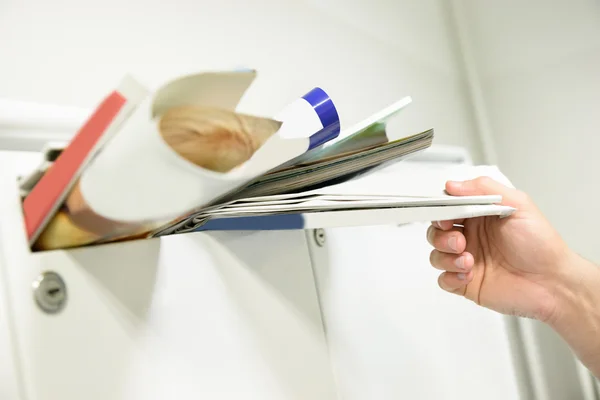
(508, 264)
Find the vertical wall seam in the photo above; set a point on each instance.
(468, 67)
(484, 132)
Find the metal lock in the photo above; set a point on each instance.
(319, 237)
(50, 292)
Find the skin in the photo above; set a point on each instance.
(520, 266)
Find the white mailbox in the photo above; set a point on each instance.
(191, 316)
(352, 313)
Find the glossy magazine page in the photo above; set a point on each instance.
(173, 151)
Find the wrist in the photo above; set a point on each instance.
(575, 289)
(576, 314)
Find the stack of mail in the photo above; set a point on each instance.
(181, 158)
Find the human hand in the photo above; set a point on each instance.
(508, 264)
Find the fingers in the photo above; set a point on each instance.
(455, 282)
(487, 186)
(476, 187)
(451, 262)
(452, 241)
(447, 225)
(450, 256)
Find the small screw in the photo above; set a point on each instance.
(320, 237)
(50, 292)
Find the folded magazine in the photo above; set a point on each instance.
(181, 158)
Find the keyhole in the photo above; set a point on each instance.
(319, 235)
(50, 292)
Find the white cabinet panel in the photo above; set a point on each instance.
(393, 333)
(11, 164)
(9, 388)
(216, 316)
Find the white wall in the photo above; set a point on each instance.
(365, 54)
(538, 65)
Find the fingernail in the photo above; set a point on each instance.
(430, 235)
(452, 243)
(460, 262)
(461, 276)
(437, 224)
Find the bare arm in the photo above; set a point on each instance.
(577, 314)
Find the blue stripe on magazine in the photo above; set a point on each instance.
(325, 109)
(256, 223)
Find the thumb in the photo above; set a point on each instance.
(486, 186)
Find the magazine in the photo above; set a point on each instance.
(153, 163)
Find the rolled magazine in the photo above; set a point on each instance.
(153, 163)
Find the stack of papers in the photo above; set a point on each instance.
(323, 171)
(412, 193)
(181, 159)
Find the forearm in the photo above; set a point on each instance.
(577, 315)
